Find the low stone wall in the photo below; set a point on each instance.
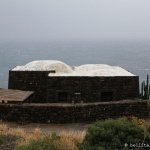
(72, 113)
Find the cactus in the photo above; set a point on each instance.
(145, 89)
(142, 89)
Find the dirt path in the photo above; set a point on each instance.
(147, 121)
(48, 128)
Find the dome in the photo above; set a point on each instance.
(91, 67)
(46, 65)
(62, 69)
(112, 71)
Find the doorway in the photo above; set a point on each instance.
(62, 96)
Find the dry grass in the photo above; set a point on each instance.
(26, 137)
(67, 140)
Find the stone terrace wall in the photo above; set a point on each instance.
(72, 113)
(30, 81)
(92, 87)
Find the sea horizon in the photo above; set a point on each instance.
(132, 55)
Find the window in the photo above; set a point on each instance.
(106, 96)
(62, 96)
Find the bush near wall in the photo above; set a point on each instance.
(114, 135)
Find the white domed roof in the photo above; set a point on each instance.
(92, 67)
(46, 65)
(112, 71)
(62, 69)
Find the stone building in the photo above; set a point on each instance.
(56, 82)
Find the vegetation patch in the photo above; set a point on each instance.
(8, 142)
(18, 139)
(111, 134)
(114, 135)
(45, 143)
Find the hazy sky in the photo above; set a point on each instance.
(74, 19)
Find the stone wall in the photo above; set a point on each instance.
(72, 113)
(30, 81)
(91, 88)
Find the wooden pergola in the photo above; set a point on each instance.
(10, 95)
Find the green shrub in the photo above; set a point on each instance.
(7, 142)
(112, 135)
(45, 143)
(148, 103)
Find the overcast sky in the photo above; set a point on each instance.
(74, 19)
